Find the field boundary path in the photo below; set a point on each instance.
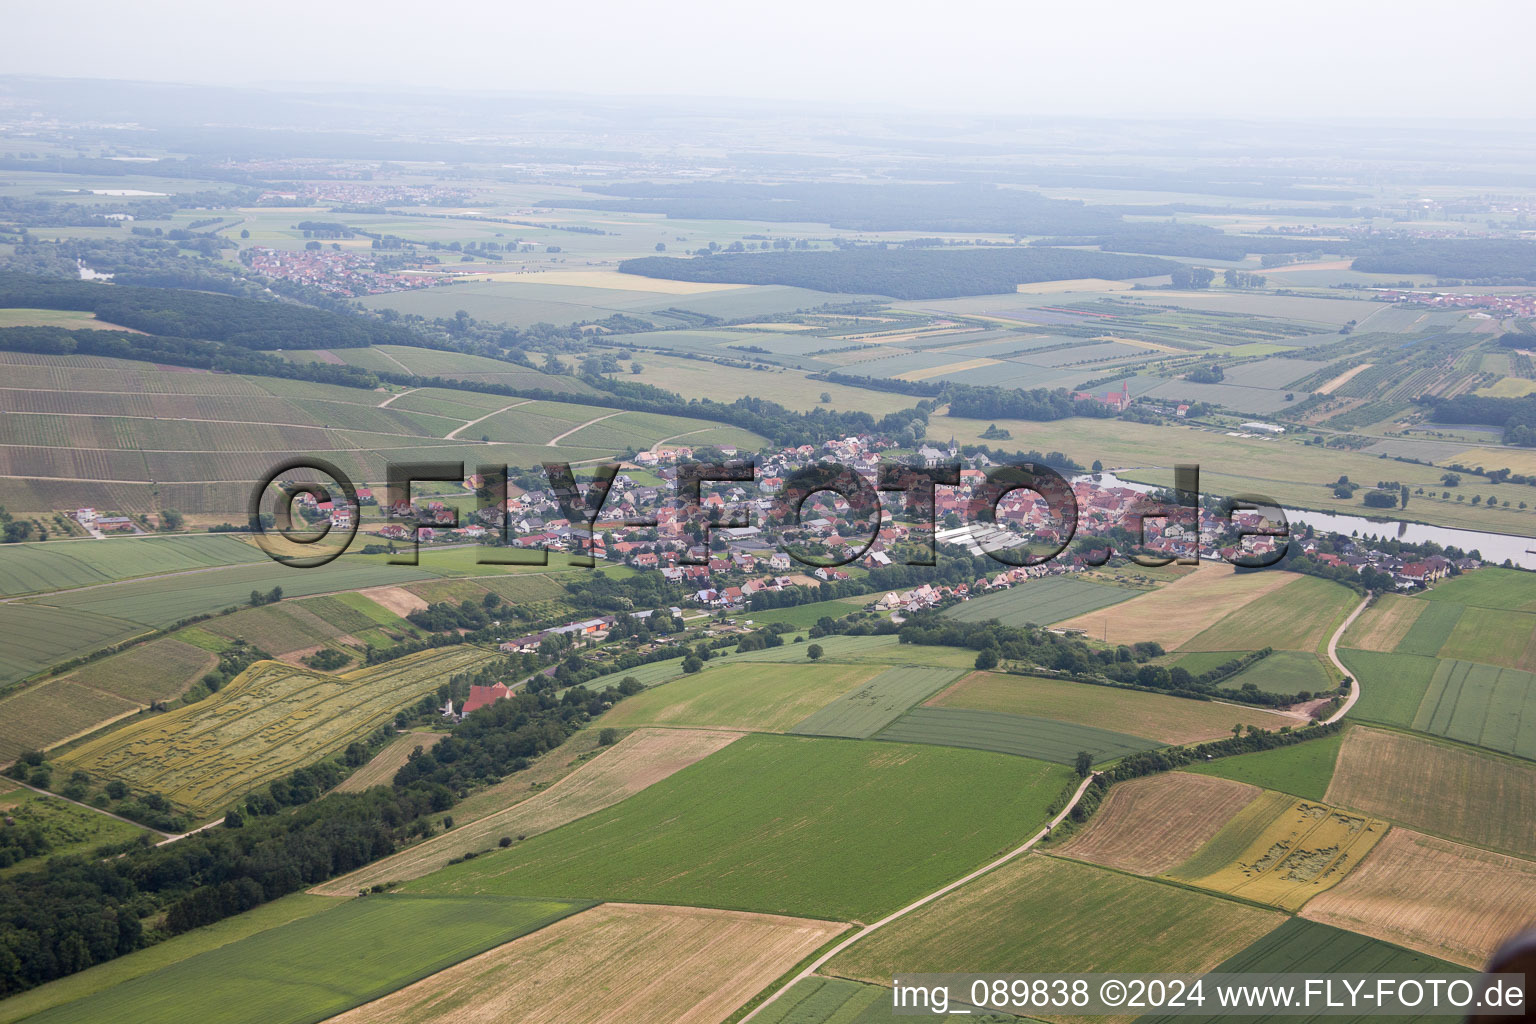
(904, 911)
(169, 836)
(1333, 656)
(581, 426)
(455, 431)
(398, 394)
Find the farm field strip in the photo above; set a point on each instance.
(271, 719)
(1392, 686)
(45, 715)
(381, 769)
(1288, 858)
(640, 760)
(1155, 716)
(865, 710)
(1298, 616)
(1483, 705)
(617, 961)
(742, 695)
(1004, 733)
(292, 974)
(1383, 625)
(1452, 901)
(1098, 920)
(1176, 613)
(785, 825)
(1041, 601)
(1300, 946)
(1300, 769)
(1150, 825)
(1439, 788)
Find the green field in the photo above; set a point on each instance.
(803, 616)
(103, 976)
(37, 637)
(59, 565)
(1301, 769)
(1501, 589)
(1284, 672)
(1297, 617)
(1021, 735)
(1058, 915)
(1300, 946)
(161, 602)
(865, 710)
(1156, 716)
(818, 1000)
(1431, 629)
(741, 696)
(1493, 637)
(787, 825)
(1483, 705)
(1041, 601)
(1391, 685)
(158, 670)
(266, 722)
(45, 714)
(318, 966)
(70, 830)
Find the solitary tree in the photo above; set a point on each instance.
(814, 652)
(1084, 764)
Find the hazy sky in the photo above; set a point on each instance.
(1096, 57)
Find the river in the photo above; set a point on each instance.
(1494, 547)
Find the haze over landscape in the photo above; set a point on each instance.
(693, 513)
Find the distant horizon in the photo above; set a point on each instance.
(1203, 59)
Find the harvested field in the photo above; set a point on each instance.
(1297, 618)
(381, 770)
(1155, 716)
(1288, 857)
(1383, 625)
(867, 709)
(1059, 916)
(1452, 901)
(268, 721)
(742, 696)
(1438, 788)
(641, 759)
(397, 599)
(1150, 825)
(1176, 613)
(617, 961)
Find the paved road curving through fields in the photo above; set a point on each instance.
(904, 911)
(1333, 656)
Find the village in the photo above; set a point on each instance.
(728, 549)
